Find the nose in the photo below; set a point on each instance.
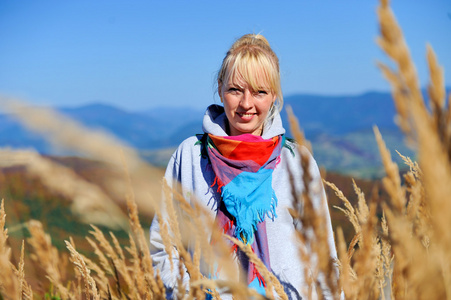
(246, 100)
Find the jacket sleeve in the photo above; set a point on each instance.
(320, 205)
(320, 202)
(160, 257)
(317, 193)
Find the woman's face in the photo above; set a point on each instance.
(245, 108)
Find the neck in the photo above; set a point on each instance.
(233, 132)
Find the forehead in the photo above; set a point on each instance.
(254, 76)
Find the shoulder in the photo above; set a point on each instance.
(296, 150)
(186, 150)
(186, 154)
(189, 146)
(292, 153)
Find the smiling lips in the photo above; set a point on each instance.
(246, 116)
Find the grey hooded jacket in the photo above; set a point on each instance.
(188, 167)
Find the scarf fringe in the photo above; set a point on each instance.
(246, 234)
(219, 183)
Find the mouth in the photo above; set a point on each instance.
(245, 115)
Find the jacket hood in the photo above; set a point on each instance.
(215, 122)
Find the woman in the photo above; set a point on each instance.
(240, 168)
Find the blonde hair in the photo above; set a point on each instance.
(251, 60)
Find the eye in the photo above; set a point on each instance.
(261, 93)
(234, 90)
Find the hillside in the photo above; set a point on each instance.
(339, 127)
(26, 198)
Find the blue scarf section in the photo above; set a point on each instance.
(249, 197)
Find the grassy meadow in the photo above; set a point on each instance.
(392, 235)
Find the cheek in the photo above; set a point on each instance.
(229, 102)
(266, 106)
(228, 106)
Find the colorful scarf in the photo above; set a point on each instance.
(243, 167)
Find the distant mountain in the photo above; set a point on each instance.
(339, 115)
(340, 128)
(154, 129)
(150, 129)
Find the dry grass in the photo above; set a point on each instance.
(407, 258)
(320, 271)
(84, 195)
(400, 248)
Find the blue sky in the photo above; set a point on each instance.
(144, 54)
